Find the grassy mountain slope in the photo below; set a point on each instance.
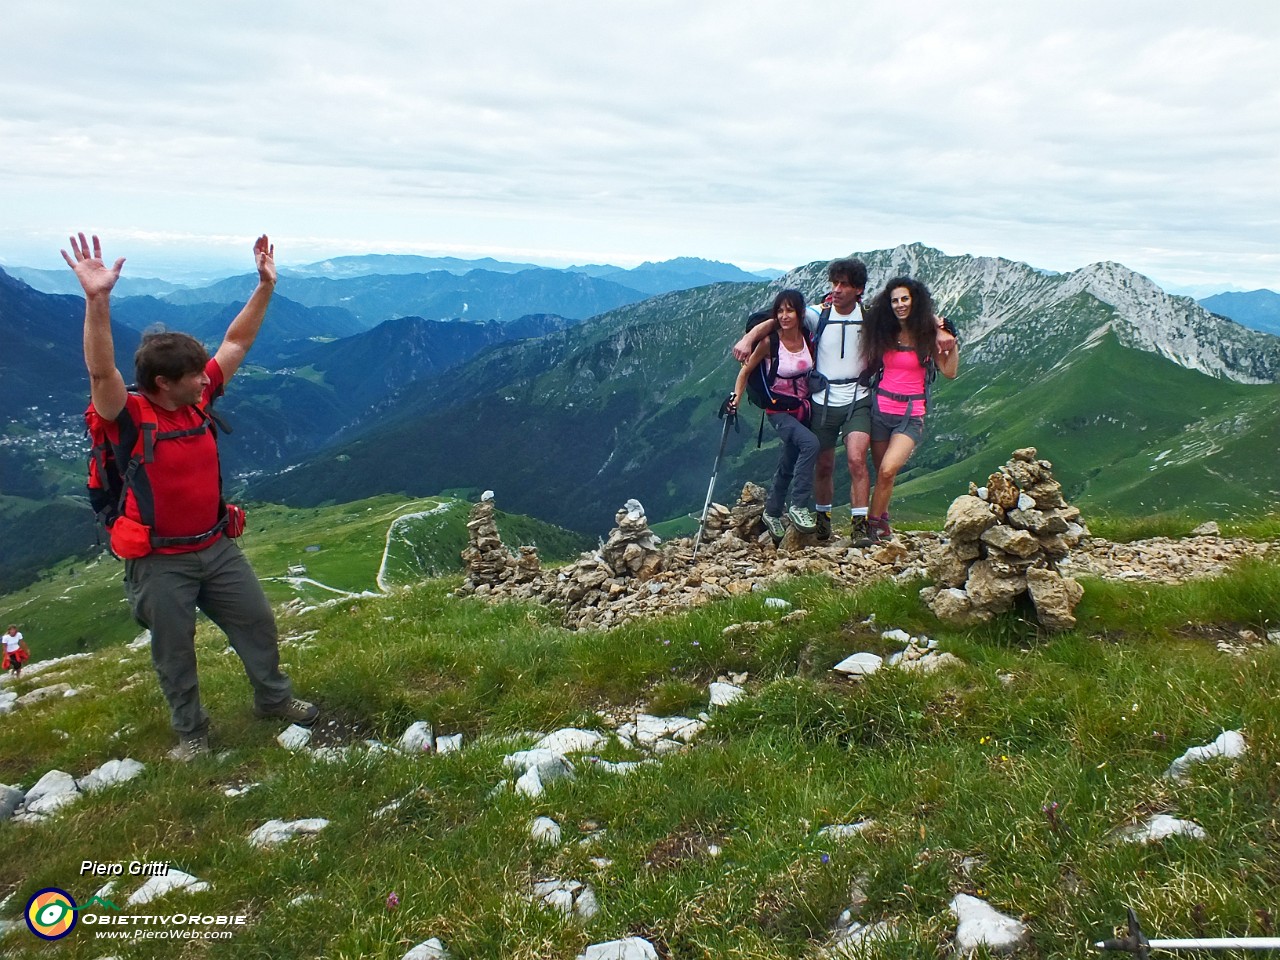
(1004, 778)
(79, 604)
(573, 424)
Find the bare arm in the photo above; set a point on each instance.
(244, 328)
(107, 389)
(757, 357)
(742, 349)
(947, 358)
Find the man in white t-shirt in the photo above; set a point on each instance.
(841, 403)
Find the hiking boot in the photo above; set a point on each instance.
(775, 525)
(824, 524)
(802, 519)
(880, 529)
(191, 746)
(860, 531)
(295, 711)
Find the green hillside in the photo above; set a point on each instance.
(79, 605)
(1008, 776)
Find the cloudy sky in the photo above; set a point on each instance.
(766, 134)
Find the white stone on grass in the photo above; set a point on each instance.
(294, 737)
(431, 949)
(860, 940)
(418, 738)
(524, 760)
(630, 948)
(776, 603)
(545, 831)
(159, 886)
(621, 767)
(570, 898)
(845, 831)
(723, 694)
(860, 664)
(1160, 827)
(110, 773)
(51, 792)
(278, 831)
(1229, 744)
(570, 740)
(981, 925)
(649, 730)
(449, 744)
(8, 699)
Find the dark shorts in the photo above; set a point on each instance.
(832, 424)
(886, 425)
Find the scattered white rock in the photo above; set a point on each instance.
(844, 831)
(431, 949)
(449, 744)
(110, 773)
(860, 940)
(533, 781)
(981, 925)
(159, 886)
(621, 766)
(630, 948)
(545, 831)
(723, 694)
(776, 603)
(1229, 744)
(8, 700)
(45, 693)
(1209, 529)
(418, 738)
(570, 740)
(302, 898)
(895, 636)
(1160, 827)
(860, 664)
(278, 831)
(294, 737)
(239, 791)
(648, 730)
(51, 792)
(570, 898)
(141, 641)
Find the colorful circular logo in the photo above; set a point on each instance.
(51, 913)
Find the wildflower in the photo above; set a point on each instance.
(393, 901)
(696, 643)
(984, 740)
(666, 643)
(826, 858)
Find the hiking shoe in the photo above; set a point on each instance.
(295, 711)
(802, 518)
(191, 746)
(777, 529)
(824, 524)
(860, 531)
(880, 529)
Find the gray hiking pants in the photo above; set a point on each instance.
(164, 591)
(795, 466)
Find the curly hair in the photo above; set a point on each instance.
(793, 297)
(880, 328)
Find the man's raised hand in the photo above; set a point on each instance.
(94, 275)
(264, 254)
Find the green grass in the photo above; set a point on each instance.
(954, 768)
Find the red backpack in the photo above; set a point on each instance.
(109, 485)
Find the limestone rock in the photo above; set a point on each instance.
(1055, 598)
(981, 925)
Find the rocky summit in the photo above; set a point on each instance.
(1011, 537)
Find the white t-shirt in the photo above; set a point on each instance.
(838, 356)
(11, 643)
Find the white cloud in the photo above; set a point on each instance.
(762, 133)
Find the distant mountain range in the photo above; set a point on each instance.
(1146, 401)
(1259, 309)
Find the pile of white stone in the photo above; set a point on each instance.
(1004, 540)
(57, 788)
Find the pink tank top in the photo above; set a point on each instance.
(793, 364)
(903, 374)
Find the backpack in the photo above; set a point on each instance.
(109, 486)
(760, 382)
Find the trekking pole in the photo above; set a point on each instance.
(729, 415)
(1137, 943)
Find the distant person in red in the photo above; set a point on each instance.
(15, 651)
(173, 530)
(905, 349)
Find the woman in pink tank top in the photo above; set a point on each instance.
(900, 340)
(789, 382)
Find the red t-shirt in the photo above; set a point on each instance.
(184, 479)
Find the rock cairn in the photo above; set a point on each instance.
(1004, 540)
(487, 561)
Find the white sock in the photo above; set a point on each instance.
(858, 511)
(822, 507)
